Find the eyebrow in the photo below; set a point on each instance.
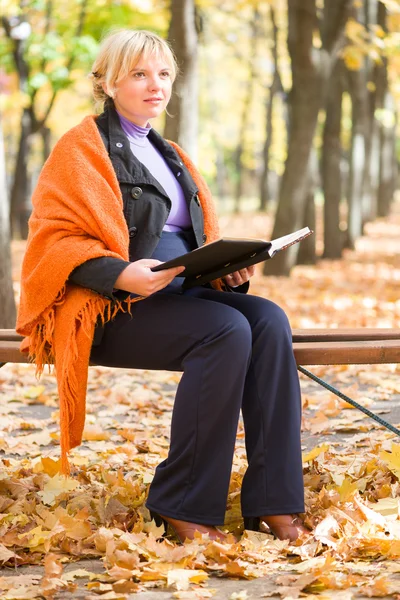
(162, 69)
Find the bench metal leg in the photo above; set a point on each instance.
(349, 400)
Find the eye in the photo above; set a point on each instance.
(139, 74)
(165, 74)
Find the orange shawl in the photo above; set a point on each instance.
(77, 215)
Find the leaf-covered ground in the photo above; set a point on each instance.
(351, 465)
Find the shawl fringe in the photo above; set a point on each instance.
(41, 352)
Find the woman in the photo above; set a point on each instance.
(113, 200)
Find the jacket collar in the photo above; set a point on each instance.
(127, 167)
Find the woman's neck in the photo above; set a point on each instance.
(135, 133)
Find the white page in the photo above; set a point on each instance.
(288, 240)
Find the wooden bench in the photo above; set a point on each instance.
(311, 346)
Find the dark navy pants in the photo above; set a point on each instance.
(235, 351)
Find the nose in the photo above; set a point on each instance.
(155, 82)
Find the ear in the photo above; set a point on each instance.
(105, 88)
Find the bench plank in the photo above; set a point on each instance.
(306, 353)
(9, 335)
(347, 353)
(344, 335)
(299, 335)
(9, 352)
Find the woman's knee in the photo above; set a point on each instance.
(233, 329)
(274, 319)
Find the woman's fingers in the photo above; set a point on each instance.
(239, 277)
(138, 277)
(162, 278)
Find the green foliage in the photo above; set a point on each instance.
(6, 57)
(113, 15)
(65, 36)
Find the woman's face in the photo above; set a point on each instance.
(145, 92)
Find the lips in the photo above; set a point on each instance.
(153, 100)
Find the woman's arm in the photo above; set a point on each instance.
(99, 274)
(105, 274)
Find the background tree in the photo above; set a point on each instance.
(385, 112)
(273, 89)
(311, 69)
(43, 55)
(255, 141)
(331, 158)
(181, 123)
(7, 302)
(246, 105)
(50, 46)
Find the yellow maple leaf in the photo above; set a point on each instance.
(36, 537)
(49, 466)
(95, 434)
(156, 530)
(392, 459)
(76, 529)
(347, 489)
(315, 452)
(34, 392)
(386, 506)
(55, 486)
(182, 578)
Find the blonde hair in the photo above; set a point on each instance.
(119, 52)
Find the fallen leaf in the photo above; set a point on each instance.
(182, 578)
(55, 486)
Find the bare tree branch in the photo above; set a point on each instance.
(69, 65)
(49, 13)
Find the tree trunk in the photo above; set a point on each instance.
(220, 175)
(386, 134)
(358, 93)
(304, 104)
(7, 302)
(310, 70)
(369, 17)
(276, 85)
(264, 181)
(307, 248)
(182, 125)
(20, 197)
(45, 133)
(377, 14)
(330, 165)
(246, 110)
(387, 173)
(239, 167)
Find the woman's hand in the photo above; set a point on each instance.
(138, 278)
(239, 277)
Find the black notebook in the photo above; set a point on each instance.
(226, 255)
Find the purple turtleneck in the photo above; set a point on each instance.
(143, 149)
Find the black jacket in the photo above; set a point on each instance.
(146, 205)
